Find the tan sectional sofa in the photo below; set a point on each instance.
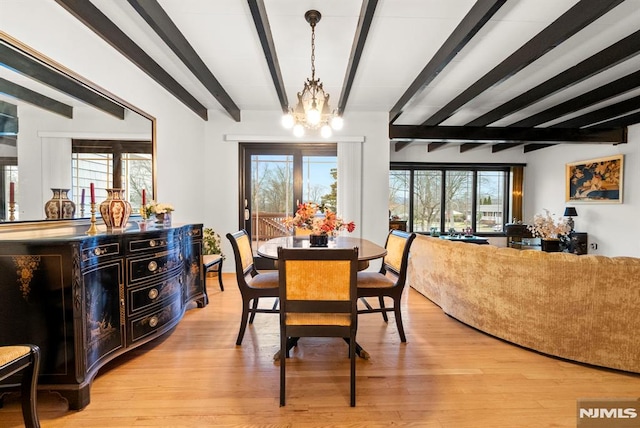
(582, 308)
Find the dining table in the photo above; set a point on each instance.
(367, 251)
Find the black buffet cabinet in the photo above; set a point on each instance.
(84, 300)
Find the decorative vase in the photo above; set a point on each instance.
(59, 206)
(321, 240)
(550, 245)
(115, 210)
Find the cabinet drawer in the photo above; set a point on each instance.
(146, 325)
(143, 297)
(156, 243)
(146, 267)
(94, 254)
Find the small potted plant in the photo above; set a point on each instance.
(211, 243)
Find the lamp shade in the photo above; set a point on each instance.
(570, 212)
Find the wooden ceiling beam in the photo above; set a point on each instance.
(399, 145)
(164, 27)
(507, 134)
(627, 120)
(597, 63)
(602, 114)
(535, 146)
(433, 146)
(603, 93)
(29, 66)
(504, 146)
(576, 18)
(470, 146)
(94, 19)
(473, 21)
(362, 31)
(261, 22)
(32, 97)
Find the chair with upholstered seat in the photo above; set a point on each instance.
(318, 298)
(25, 359)
(390, 280)
(253, 285)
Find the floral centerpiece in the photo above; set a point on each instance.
(545, 226)
(153, 208)
(318, 220)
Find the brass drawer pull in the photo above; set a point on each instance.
(153, 293)
(152, 266)
(153, 321)
(152, 243)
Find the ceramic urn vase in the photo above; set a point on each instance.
(115, 210)
(59, 206)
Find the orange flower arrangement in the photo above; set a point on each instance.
(309, 216)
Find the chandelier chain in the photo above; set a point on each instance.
(313, 51)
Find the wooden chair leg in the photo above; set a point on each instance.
(398, 315)
(352, 357)
(253, 310)
(243, 322)
(283, 358)
(220, 276)
(384, 313)
(29, 391)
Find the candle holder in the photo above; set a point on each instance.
(82, 209)
(12, 210)
(93, 229)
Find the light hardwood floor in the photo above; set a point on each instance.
(446, 375)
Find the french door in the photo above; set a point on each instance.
(275, 179)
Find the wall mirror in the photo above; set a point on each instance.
(60, 131)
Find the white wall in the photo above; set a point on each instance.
(49, 29)
(613, 227)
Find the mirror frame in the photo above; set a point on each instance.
(26, 50)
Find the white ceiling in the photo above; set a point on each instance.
(403, 37)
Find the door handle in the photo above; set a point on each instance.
(247, 214)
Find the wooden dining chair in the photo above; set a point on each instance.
(390, 280)
(253, 285)
(25, 359)
(318, 298)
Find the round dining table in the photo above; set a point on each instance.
(367, 251)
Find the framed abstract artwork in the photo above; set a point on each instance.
(595, 180)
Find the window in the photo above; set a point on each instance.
(111, 164)
(280, 176)
(443, 197)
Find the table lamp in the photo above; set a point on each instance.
(570, 212)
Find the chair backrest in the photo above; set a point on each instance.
(243, 254)
(397, 258)
(318, 287)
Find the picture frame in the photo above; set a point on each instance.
(595, 180)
